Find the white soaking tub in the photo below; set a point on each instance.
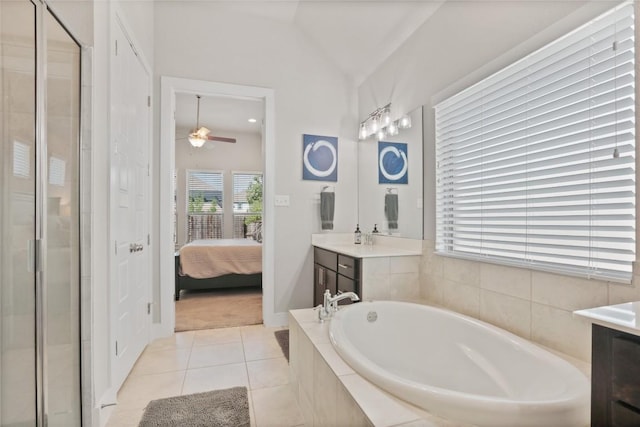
(458, 367)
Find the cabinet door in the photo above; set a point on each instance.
(323, 279)
(346, 284)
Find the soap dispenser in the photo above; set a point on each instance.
(357, 235)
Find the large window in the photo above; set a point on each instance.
(247, 204)
(536, 163)
(204, 205)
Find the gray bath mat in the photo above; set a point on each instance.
(218, 408)
(282, 337)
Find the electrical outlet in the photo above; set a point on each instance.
(281, 200)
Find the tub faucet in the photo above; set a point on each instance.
(330, 304)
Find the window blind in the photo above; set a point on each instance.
(535, 165)
(241, 184)
(205, 190)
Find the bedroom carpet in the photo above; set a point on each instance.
(218, 308)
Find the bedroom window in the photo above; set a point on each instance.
(247, 204)
(205, 197)
(535, 165)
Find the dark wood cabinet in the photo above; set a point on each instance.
(615, 378)
(336, 272)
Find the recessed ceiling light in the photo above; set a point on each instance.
(252, 120)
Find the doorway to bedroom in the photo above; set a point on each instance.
(218, 194)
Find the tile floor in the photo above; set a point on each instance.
(197, 361)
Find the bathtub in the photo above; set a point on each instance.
(458, 367)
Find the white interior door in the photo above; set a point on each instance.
(131, 271)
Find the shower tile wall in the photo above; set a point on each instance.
(533, 304)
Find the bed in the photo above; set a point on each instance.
(218, 263)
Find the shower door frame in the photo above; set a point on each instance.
(41, 204)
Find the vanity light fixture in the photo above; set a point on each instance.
(380, 124)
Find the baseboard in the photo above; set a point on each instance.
(277, 319)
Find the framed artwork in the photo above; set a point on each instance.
(393, 163)
(319, 158)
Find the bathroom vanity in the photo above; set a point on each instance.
(388, 269)
(615, 371)
(336, 272)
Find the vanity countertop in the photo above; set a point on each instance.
(622, 317)
(367, 251)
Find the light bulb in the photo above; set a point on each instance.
(196, 141)
(404, 122)
(381, 133)
(392, 129)
(374, 125)
(385, 117)
(362, 134)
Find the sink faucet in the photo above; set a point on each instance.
(330, 304)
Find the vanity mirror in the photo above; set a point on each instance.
(390, 181)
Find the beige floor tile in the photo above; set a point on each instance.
(217, 336)
(276, 406)
(125, 418)
(262, 349)
(268, 373)
(177, 340)
(257, 332)
(156, 362)
(137, 391)
(213, 355)
(215, 378)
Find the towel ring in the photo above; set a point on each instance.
(392, 190)
(328, 189)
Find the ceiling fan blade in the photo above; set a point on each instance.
(220, 138)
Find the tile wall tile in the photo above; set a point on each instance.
(347, 410)
(305, 364)
(620, 293)
(561, 330)
(461, 271)
(324, 393)
(404, 286)
(462, 298)
(404, 264)
(506, 280)
(506, 312)
(567, 293)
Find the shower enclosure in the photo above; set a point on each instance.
(39, 218)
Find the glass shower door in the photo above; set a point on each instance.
(62, 257)
(39, 219)
(17, 213)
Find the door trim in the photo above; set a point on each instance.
(169, 87)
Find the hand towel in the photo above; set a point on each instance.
(327, 205)
(391, 210)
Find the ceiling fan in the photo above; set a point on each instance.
(200, 134)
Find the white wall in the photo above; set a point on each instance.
(459, 45)
(199, 40)
(243, 156)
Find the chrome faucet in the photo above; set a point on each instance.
(330, 304)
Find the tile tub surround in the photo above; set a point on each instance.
(533, 304)
(330, 393)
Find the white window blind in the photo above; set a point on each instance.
(535, 165)
(205, 191)
(242, 182)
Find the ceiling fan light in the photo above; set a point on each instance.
(196, 140)
(203, 132)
